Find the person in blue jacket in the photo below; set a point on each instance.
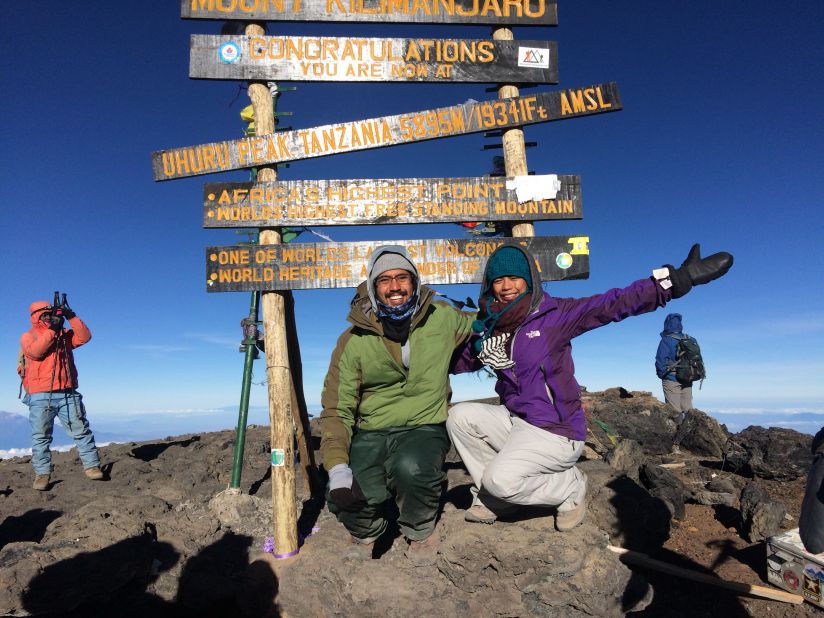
(676, 394)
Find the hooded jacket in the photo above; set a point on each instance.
(667, 352)
(368, 386)
(541, 387)
(49, 362)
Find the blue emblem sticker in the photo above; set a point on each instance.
(229, 52)
(564, 260)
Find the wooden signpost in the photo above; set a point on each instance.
(301, 266)
(390, 201)
(512, 12)
(335, 59)
(385, 131)
(274, 268)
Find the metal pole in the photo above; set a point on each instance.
(250, 342)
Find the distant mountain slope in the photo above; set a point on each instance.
(14, 431)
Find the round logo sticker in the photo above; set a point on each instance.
(791, 579)
(564, 260)
(229, 52)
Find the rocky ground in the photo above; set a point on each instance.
(162, 537)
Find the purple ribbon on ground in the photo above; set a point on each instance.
(269, 544)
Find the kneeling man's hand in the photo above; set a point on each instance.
(349, 498)
(344, 489)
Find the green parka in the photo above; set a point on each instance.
(367, 384)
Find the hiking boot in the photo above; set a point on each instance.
(95, 474)
(424, 552)
(482, 514)
(478, 513)
(567, 520)
(41, 482)
(360, 549)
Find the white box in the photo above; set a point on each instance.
(791, 567)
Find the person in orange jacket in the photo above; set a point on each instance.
(50, 380)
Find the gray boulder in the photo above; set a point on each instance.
(702, 435)
(618, 414)
(626, 457)
(775, 453)
(760, 517)
(663, 484)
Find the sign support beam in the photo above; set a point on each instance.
(513, 141)
(279, 385)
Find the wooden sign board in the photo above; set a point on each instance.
(387, 201)
(337, 59)
(384, 131)
(301, 266)
(493, 12)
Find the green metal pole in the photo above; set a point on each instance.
(251, 353)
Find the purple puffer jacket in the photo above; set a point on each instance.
(541, 387)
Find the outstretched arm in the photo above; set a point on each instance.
(644, 295)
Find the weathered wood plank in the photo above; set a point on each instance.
(512, 12)
(369, 201)
(296, 266)
(339, 59)
(384, 131)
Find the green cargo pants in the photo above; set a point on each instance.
(404, 463)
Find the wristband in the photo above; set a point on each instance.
(662, 277)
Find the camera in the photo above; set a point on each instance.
(58, 304)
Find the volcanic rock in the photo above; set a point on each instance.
(760, 517)
(775, 453)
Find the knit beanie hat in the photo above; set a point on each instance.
(388, 257)
(507, 261)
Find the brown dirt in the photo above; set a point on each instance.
(708, 540)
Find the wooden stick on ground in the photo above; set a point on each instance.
(634, 557)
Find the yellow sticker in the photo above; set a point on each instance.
(579, 244)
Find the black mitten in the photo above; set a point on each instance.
(697, 270)
(350, 499)
(56, 323)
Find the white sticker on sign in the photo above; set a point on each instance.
(229, 52)
(537, 57)
(540, 187)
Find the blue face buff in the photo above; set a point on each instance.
(398, 313)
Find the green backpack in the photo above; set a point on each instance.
(688, 365)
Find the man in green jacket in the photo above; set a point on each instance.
(385, 404)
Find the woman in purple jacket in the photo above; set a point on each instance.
(524, 451)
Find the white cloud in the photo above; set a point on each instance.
(174, 411)
(768, 411)
(24, 452)
(218, 340)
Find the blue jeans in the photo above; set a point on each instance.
(68, 407)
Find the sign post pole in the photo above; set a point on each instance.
(250, 343)
(513, 140)
(284, 499)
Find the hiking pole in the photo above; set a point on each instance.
(250, 342)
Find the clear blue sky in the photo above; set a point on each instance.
(721, 141)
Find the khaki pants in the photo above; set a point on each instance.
(513, 461)
(677, 395)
